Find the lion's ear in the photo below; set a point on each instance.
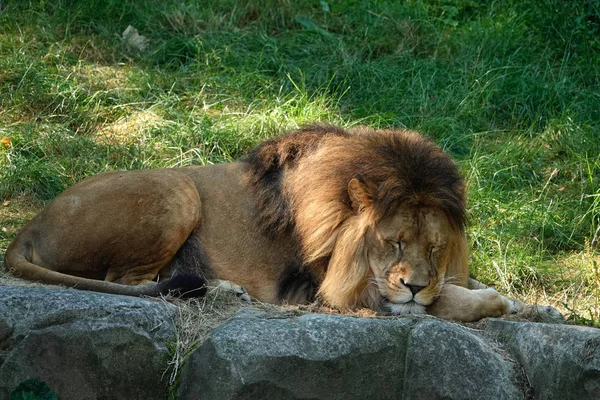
(361, 194)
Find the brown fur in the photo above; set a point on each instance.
(360, 217)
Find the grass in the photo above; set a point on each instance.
(509, 88)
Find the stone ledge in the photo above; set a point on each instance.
(85, 345)
(341, 357)
(96, 346)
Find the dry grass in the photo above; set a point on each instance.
(134, 128)
(197, 318)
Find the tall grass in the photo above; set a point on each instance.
(509, 88)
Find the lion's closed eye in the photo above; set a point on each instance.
(397, 247)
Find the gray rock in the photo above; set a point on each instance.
(560, 361)
(84, 345)
(88, 345)
(449, 361)
(340, 357)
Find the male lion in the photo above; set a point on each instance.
(361, 218)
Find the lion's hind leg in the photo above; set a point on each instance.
(138, 275)
(178, 285)
(182, 270)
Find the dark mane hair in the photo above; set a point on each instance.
(267, 164)
(409, 169)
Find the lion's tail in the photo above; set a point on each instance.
(17, 261)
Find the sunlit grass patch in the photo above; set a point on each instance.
(134, 128)
(14, 214)
(581, 298)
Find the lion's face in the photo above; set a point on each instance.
(407, 254)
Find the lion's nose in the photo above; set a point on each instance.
(414, 289)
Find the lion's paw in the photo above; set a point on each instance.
(406, 308)
(229, 286)
(539, 313)
(534, 312)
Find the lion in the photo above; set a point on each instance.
(357, 218)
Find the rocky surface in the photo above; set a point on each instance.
(95, 346)
(254, 355)
(84, 345)
(338, 357)
(561, 361)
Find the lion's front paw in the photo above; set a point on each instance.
(410, 308)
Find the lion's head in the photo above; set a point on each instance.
(405, 257)
(379, 215)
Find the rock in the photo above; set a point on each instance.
(340, 357)
(560, 361)
(85, 345)
(449, 361)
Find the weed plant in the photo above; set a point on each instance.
(510, 88)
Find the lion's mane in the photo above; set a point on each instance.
(301, 185)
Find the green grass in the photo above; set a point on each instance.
(510, 88)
